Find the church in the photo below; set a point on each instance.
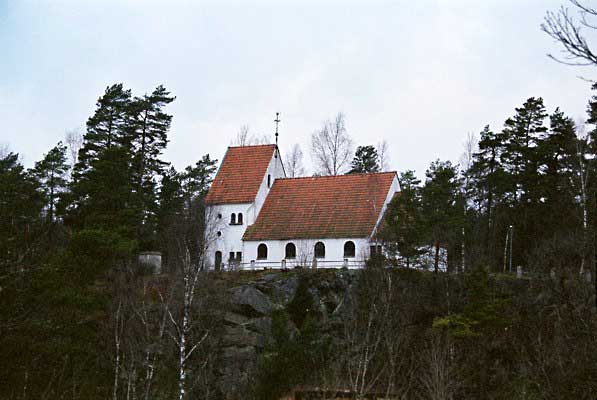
(259, 218)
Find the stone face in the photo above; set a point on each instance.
(248, 323)
(261, 325)
(282, 291)
(239, 353)
(235, 319)
(251, 302)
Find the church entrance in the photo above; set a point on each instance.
(218, 261)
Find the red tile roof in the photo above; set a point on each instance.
(240, 174)
(322, 207)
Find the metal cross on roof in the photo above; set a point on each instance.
(277, 121)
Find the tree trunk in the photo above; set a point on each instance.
(436, 260)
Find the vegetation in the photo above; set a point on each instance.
(80, 318)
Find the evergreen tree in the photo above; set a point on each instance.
(148, 137)
(196, 179)
(181, 213)
(440, 207)
(522, 134)
(589, 160)
(106, 128)
(51, 174)
(20, 207)
(404, 231)
(365, 160)
(109, 199)
(487, 184)
(558, 162)
(103, 171)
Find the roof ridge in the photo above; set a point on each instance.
(339, 176)
(252, 145)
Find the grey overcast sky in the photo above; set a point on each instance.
(419, 74)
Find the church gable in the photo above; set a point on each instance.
(240, 175)
(346, 206)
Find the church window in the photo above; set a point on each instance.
(219, 233)
(239, 219)
(269, 180)
(262, 252)
(233, 219)
(319, 250)
(290, 251)
(349, 249)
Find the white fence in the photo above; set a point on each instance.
(256, 265)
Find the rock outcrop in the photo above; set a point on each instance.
(248, 323)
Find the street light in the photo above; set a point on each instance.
(511, 229)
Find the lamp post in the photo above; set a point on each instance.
(511, 229)
(508, 249)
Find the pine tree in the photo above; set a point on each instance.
(558, 160)
(365, 160)
(148, 137)
(20, 207)
(487, 183)
(522, 134)
(589, 160)
(106, 128)
(106, 148)
(404, 231)
(181, 213)
(51, 173)
(440, 206)
(109, 203)
(196, 179)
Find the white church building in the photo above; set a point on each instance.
(262, 219)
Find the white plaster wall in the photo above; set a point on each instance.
(276, 170)
(231, 238)
(334, 252)
(395, 187)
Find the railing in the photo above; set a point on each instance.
(255, 265)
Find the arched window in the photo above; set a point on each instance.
(349, 249)
(232, 219)
(290, 251)
(269, 180)
(319, 250)
(239, 221)
(262, 252)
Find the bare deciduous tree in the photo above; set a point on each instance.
(469, 146)
(567, 30)
(374, 335)
(244, 137)
(437, 378)
(74, 140)
(383, 155)
(4, 150)
(294, 162)
(331, 147)
(186, 306)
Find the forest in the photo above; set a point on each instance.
(81, 318)
(486, 289)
